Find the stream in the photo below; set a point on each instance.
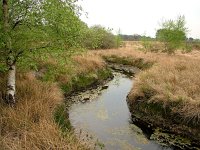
(106, 119)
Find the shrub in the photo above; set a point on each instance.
(172, 34)
(98, 37)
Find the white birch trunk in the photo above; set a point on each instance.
(10, 92)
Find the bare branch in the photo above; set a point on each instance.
(16, 23)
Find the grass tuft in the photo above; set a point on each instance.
(31, 125)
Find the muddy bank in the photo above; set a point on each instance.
(166, 128)
(125, 69)
(88, 94)
(95, 86)
(88, 81)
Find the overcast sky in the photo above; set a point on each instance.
(141, 16)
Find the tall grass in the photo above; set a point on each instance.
(175, 84)
(31, 125)
(88, 63)
(38, 121)
(172, 82)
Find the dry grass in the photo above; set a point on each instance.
(173, 78)
(88, 62)
(131, 51)
(172, 81)
(30, 125)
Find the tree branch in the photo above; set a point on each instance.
(17, 56)
(16, 23)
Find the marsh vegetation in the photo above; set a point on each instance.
(47, 54)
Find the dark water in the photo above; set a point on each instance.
(107, 118)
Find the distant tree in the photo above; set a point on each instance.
(98, 37)
(172, 34)
(134, 37)
(190, 39)
(28, 25)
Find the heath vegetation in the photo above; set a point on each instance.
(43, 56)
(167, 88)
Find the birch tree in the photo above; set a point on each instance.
(28, 25)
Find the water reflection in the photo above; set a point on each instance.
(107, 118)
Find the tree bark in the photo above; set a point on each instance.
(10, 91)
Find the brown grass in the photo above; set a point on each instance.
(130, 51)
(173, 78)
(88, 62)
(30, 125)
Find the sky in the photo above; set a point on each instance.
(141, 16)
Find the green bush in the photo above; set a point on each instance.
(172, 34)
(98, 37)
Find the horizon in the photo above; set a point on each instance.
(128, 15)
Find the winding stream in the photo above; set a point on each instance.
(107, 118)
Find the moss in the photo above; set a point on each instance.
(165, 139)
(84, 81)
(104, 74)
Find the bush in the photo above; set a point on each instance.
(98, 37)
(172, 34)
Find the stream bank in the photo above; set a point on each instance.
(105, 120)
(165, 129)
(168, 128)
(152, 130)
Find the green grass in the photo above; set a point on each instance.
(84, 81)
(61, 118)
